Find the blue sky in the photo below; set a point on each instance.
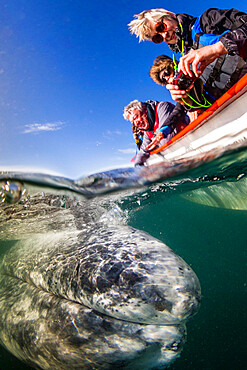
(67, 69)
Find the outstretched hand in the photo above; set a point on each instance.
(200, 58)
(155, 141)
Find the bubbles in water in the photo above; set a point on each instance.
(11, 192)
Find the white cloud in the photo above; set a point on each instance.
(111, 133)
(127, 151)
(117, 132)
(41, 127)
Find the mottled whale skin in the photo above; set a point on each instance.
(80, 290)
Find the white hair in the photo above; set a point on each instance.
(135, 104)
(140, 26)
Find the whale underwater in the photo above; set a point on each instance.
(82, 289)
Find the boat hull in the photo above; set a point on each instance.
(221, 128)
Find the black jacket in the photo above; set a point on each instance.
(215, 21)
(226, 70)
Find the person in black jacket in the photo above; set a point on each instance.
(213, 46)
(156, 121)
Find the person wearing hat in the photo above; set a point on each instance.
(155, 120)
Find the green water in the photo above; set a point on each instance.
(213, 242)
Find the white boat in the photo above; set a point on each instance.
(221, 128)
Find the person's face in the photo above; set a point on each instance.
(167, 35)
(166, 76)
(139, 119)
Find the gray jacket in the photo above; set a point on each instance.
(164, 112)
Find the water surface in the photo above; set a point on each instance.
(201, 214)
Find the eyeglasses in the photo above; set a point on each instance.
(165, 74)
(159, 28)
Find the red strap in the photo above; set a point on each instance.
(181, 126)
(156, 124)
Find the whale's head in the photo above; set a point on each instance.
(95, 295)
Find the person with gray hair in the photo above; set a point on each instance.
(213, 46)
(155, 120)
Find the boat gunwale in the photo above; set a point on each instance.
(231, 95)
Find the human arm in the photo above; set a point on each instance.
(160, 136)
(217, 21)
(168, 122)
(143, 154)
(197, 60)
(230, 29)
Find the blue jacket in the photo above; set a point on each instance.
(226, 25)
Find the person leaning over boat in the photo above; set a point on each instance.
(155, 120)
(213, 46)
(162, 72)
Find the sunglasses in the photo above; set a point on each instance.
(165, 74)
(159, 28)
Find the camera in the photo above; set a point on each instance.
(183, 81)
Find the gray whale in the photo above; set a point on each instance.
(80, 289)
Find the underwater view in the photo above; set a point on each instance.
(123, 177)
(59, 235)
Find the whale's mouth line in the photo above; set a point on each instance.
(99, 313)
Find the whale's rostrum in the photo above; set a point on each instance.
(80, 291)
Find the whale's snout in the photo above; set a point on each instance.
(108, 296)
(143, 281)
